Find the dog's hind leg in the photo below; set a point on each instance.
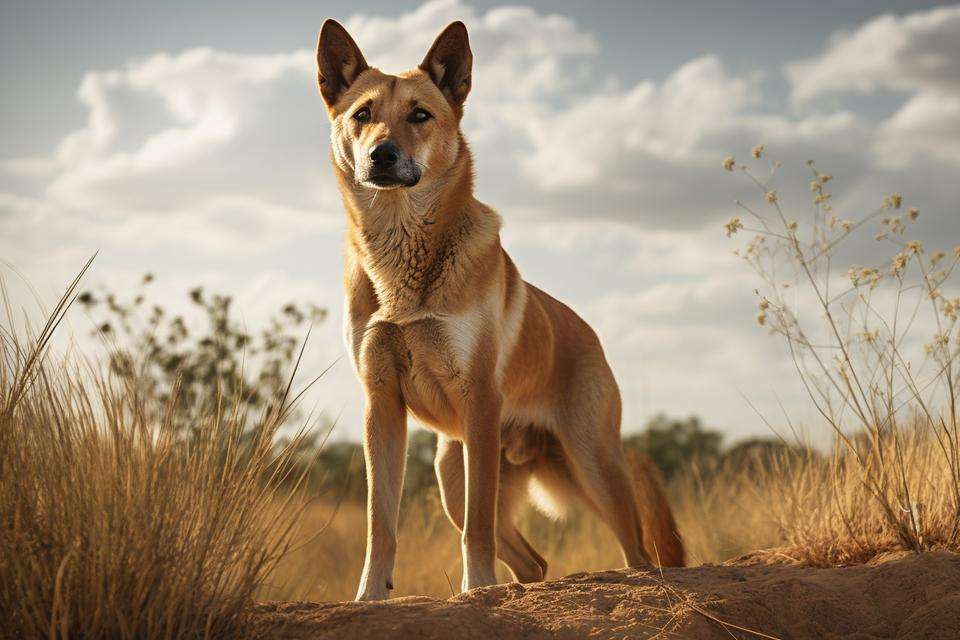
(524, 562)
(599, 468)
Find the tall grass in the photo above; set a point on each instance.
(116, 525)
(874, 335)
(827, 516)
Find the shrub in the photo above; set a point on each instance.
(878, 360)
(196, 367)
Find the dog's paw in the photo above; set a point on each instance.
(370, 591)
(477, 579)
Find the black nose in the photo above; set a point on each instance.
(384, 155)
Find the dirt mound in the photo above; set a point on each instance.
(901, 597)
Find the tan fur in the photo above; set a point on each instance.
(440, 325)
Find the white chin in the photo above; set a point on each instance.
(379, 187)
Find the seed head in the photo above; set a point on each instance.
(733, 225)
(899, 262)
(913, 213)
(757, 151)
(951, 308)
(772, 196)
(729, 163)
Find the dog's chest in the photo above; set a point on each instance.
(437, 366)
(408, 269)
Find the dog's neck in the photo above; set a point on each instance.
(422, 247)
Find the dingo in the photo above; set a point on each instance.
(439, 324)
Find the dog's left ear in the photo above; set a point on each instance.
(449, 63)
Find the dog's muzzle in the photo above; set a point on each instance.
(386, 166)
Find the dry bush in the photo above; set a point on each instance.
(113, 525)
(875, 346)
(825, 515)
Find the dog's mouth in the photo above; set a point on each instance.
(387, 182)
(392, 180)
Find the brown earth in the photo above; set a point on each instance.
(903, 596)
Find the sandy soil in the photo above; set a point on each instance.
(904, 596)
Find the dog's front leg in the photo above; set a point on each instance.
(482, 460)
(384, 447)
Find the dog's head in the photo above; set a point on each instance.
(389, 131)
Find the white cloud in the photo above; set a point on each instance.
(915, 54)
(902, 53)
(208, 100)
(927, 125)
(589, 141)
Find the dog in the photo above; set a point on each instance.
(440, 325)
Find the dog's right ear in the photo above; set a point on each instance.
(339, 61)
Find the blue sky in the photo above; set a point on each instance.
(188, 140)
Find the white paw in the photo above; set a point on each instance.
(477, 579)
(370, 590)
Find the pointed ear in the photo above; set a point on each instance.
(339, 61)
(450, 63)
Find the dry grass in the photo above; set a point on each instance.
(794, 507)
(874, 334)
(113, 526)
(828, 518)
(719, 519)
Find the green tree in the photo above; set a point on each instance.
(673, 443)
(758, 455)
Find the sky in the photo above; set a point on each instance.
(188, 140)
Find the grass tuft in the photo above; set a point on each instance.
(114, 524)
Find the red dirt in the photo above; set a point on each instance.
(907, 596)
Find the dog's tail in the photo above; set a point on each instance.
(661, 540)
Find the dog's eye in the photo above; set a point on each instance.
(362, 115)
(419, 115)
